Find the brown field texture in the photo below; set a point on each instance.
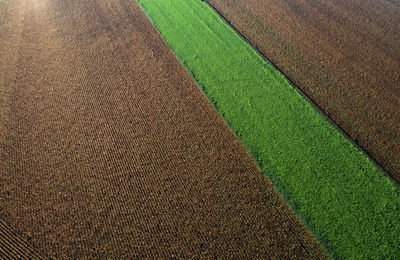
(344, 54)
(12, 245)
(110, 150)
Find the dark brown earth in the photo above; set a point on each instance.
(110, 150)
(344, 54)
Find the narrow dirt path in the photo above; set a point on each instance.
(109, 149)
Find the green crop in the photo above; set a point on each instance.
(347, 203)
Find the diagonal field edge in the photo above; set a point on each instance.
(307, 97)
(354, 214)
(373, 126)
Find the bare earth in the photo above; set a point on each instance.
(109, 149)
(344, 54)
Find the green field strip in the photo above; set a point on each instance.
(344, 199)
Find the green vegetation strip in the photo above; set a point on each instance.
(338, 193)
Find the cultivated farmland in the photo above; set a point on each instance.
(117, 129)
(343, 53)
(347, 202)
(110, 150)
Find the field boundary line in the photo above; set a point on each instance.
(317, 107)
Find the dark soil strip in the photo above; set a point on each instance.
(342, 54)
(110, 150)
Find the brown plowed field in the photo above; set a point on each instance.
(110, 150)
(344, 54)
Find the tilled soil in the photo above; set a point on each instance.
(344, 54)
(110, 150)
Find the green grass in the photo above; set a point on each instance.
(340, 195)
